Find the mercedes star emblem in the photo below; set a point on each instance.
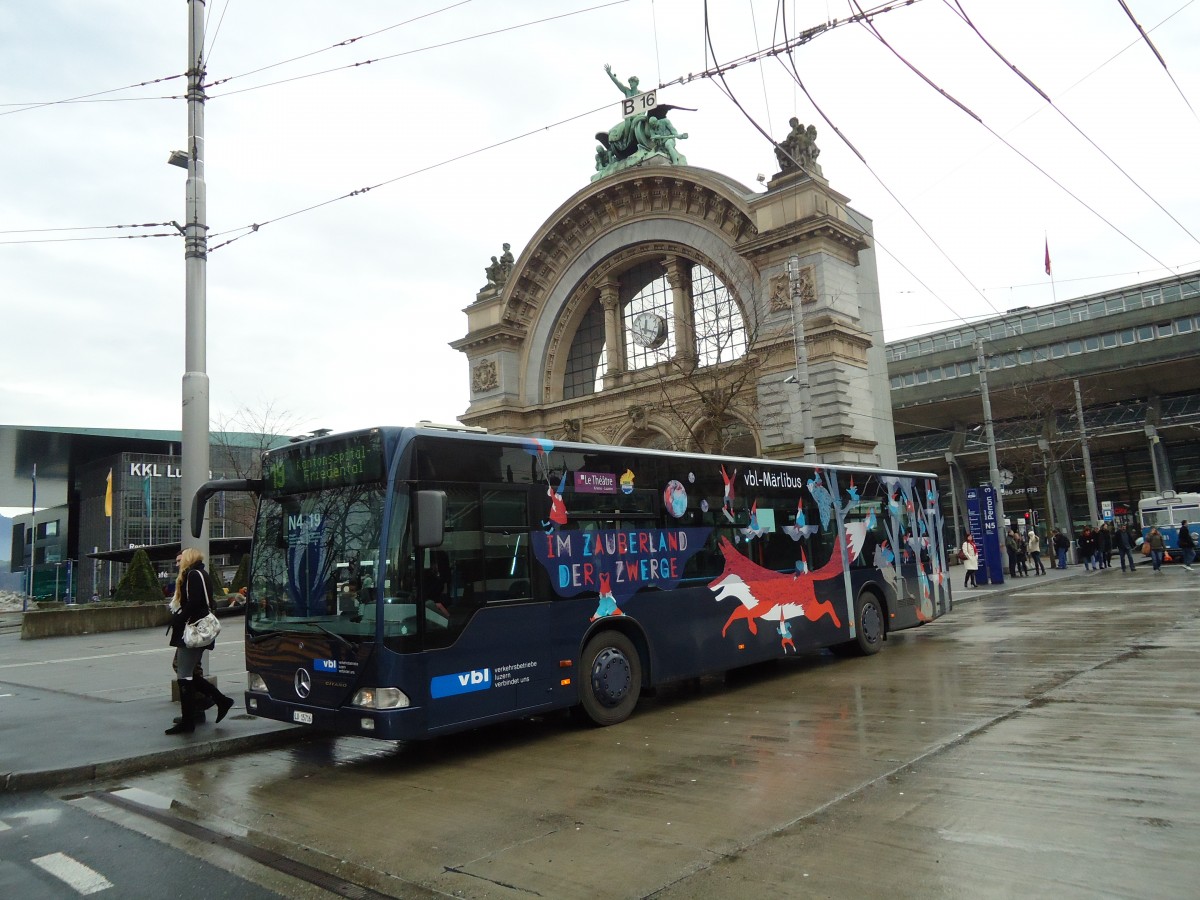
(303, 683)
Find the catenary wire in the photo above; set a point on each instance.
(344, 43)
(867, 24)
(1154, 50)
(450, 43)
(959, 11)
(88, 98)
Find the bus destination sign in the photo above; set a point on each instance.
(332, 463)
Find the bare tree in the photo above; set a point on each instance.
(239, 441)
(709, 390)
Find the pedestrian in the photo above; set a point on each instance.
(1086, 545)
(192, 602)
(1022, 556)
(970, 560)
(1126, 541)
(1011, 544)
(1158, 548)
(1034, 545)
(1061, 544)
(1187, 545)
(1105, 550)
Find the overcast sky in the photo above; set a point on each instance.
(341, 316)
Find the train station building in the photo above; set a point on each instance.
(1129, 359)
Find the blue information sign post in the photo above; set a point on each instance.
(981, 515)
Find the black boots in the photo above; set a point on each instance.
(190, 690)
(223, 703)
(186, 723)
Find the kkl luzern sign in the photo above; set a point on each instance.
(151, 470)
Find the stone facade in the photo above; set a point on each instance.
(576, 282)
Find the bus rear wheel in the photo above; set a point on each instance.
(611, 678)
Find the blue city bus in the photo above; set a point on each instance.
(1166, 512)
(412, 582)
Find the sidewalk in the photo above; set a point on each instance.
(85, 707)
(1012, 585)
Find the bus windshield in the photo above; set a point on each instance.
(316, 562)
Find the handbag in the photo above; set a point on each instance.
(203, 631)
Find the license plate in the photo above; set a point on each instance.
(304, 718)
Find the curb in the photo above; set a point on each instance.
(14, 782)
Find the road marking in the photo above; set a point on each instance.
(75, 659)
(1115, 599)
(75, 874)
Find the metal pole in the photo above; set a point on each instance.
(958, 538)
(806, 425)
(990, 434)
(194, 466)
(1089, 481)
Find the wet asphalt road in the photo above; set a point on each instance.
(1040, 743)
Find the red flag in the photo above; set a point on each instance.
(1048, 272)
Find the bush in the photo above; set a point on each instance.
(241, 578)
(139, 584)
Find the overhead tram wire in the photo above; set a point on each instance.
(367, 62)
(221, 21)
(255, 227)
(729, 93)
(867, 24)
(719, 71)
(959, 11)
(344, 43)
(1150, 44)
(88, 98)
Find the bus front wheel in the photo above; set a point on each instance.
(611, 679)
(869, 625)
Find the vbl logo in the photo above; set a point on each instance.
(460, 683)
(324, 665)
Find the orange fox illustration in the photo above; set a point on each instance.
(775, 596)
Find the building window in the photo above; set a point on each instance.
(1058, 351)
(1041, 354)
(1183, 326)
(1164, 329)
(1091, 343)
(1109, 340)
(897, 383)
(1116, 304)
(923, 376)
(1128, 337)
(1145, 333)
(586, 362)
(1074, 348)
(1025, 357)
(964, 368)
(720, 331)
(1010, 360)
(654, 297)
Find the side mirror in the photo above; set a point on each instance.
(431, 518)
(206, 490)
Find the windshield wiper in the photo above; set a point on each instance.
(332, 634)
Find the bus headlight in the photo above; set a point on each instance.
(255, 683)
(380, 698)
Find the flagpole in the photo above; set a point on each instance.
(1050, 270)
(32, 537)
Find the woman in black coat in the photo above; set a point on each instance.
(192, 602)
